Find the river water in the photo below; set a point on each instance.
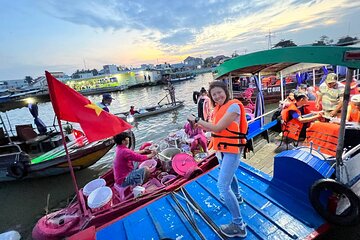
(24, 202)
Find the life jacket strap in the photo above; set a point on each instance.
(237, 133)
(241, 136)
(230, 144)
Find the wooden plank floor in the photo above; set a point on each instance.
(263, 159)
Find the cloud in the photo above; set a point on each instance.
(166, 17)
(132, 31)
(178, 38)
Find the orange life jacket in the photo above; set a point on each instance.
(354, 88)
(285, 113)
(323, 136)
(234, 136)
(354, 113)
(291, 128)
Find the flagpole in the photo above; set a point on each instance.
(70, 167)
(67, 103)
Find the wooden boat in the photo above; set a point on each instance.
(10, 100)
(28, 154)
(176, 76)
(153, 110)
(123, 201)
(45, 156)
(276, 207)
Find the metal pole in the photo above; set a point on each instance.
(281, 86)
(72, 173)
(230, 87)
(340, 146)
(313, 77)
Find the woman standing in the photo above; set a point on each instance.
(228, 140)
(203, 103)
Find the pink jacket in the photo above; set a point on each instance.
(196, 134)
(123, 162)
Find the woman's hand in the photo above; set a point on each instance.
(145, 151)
(151, 154)
(191, 118)
(333, 113)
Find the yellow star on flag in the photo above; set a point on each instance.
(97, 109)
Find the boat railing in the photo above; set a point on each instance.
(10, 146)
(263, 115)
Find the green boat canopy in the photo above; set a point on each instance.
(276, 60)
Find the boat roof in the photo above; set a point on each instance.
(283, 59)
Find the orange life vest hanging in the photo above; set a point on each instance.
(291, 128)
(324, 136)
(354, 113)
(234, 136)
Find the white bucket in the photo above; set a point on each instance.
(138, 191)
(94, 184)
(100, 199)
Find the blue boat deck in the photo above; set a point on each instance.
(272, 209)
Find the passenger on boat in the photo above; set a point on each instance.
(133, 111)
(228, 139)
(298, 111)
(330, 95)
(204, 107)
(311, 93)
(106, 101)
(353, 114)
(197, 135)
(171, 89)
(289, 99)
(304, 89)
(125, 173)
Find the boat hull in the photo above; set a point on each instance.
(82, 158)
(45, 230)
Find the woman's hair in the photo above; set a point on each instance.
(120, 137)
(203, 90)
(220, 85)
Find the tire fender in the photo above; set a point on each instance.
(17, 170)
(349, 217)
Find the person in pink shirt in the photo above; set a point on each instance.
(125, 173)
(204, 106)
(198, 136)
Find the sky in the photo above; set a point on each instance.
(66, 35)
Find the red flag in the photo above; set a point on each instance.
(71, 106)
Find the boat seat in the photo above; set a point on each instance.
(123, 193)
(24, 136)
(27, 135)
(255, 129)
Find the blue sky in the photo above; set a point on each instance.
(67, 35)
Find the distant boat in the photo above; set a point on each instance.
(152, 110)
(9, 95)
(92, 91)
(177, 76)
